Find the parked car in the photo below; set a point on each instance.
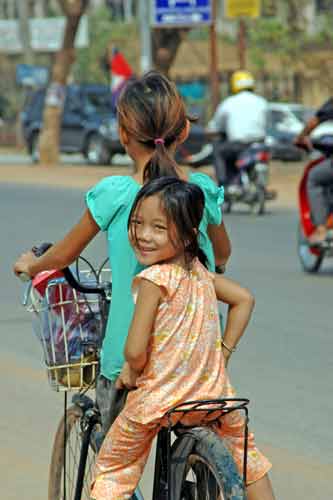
(283, 125)
(89, 123)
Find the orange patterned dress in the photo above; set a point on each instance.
(185, 363)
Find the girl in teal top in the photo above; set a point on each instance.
(152, 123)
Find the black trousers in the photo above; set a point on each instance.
(225, 156)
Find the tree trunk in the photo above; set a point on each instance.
(23, 12)
(165, 44)
(55, 96)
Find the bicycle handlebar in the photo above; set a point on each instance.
(68, 275)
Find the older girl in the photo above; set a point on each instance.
(152, 122)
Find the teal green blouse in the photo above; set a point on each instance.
(110, 202)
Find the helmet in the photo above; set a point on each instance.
(241, 80)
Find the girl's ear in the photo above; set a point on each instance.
(184, 133)
(123, 136)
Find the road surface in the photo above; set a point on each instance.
(284, 363)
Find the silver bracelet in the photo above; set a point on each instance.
(230, 349)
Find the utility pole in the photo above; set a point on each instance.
(11, 7)
(242, 43)
(214, 77)
(128, 11)
(23, 13)
(144, 16)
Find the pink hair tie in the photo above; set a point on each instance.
(159, 140)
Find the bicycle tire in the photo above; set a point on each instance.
(73, 449)
(209, 471)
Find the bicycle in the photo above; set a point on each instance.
(195, 466)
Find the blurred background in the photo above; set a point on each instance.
(286, 44)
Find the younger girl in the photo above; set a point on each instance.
(152, 123)
(174, 351)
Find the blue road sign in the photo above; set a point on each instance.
(181, 13)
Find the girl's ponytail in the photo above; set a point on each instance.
(161, 164)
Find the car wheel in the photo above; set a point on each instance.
(96, 151)
(34, 148)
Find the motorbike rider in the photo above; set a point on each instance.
(320, 177)
(241, 117)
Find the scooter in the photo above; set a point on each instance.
(248, 183)
(312, 255)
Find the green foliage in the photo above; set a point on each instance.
(287, 35)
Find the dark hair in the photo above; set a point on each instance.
(151, 108)
(184, 204)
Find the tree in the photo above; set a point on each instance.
(165, 44)
(55, 96)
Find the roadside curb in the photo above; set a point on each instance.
(284, 177)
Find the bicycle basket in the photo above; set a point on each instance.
(68, 325)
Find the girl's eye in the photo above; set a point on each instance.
(160, 228)
(135, 222)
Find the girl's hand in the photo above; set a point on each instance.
(23, 264)
(127, 378)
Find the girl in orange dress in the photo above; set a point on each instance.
(174, 351)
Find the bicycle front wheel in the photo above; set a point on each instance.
(66, 457)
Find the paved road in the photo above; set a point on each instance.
(284, 363)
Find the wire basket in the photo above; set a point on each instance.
(69, 326)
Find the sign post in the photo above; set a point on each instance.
(145, 34)
(214, 77)
(241, 9)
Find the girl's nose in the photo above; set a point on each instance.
(144, 234)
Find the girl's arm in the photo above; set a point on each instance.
(221, 243)
(148, 299)
(241, 303)
(62, 253)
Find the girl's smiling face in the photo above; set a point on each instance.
(153, 237)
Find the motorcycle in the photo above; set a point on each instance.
(312, 255)
(249, 179)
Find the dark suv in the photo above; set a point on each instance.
(89, 123)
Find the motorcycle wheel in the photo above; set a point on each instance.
(310, 261)
(258, 206)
